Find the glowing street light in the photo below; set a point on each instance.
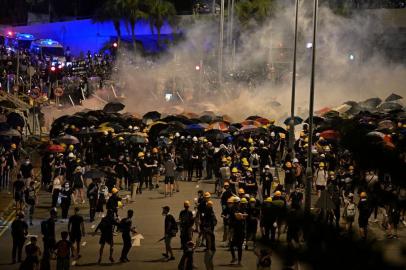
(197, 67)
(351, 57)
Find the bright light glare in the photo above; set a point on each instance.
(352, 57)
(197, 68)
(309, 45)
(168, 96)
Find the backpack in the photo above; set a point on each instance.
(255, 160)
(174, 227)
(62, 250)
(350, 211)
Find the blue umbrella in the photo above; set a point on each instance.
(297, 120)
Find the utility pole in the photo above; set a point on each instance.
(292, 106)
(309, 171)
(221, 44)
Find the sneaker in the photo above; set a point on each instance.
(111, 259)
(171, 259)
(404, 222)
(165, 255)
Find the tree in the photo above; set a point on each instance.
(159, 12)
(134, 10)
(257, 11)
(111, 10)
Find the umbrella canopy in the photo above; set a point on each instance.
(94, 173)
(153, 115)
(216, 135)
(263, 121)
(178, 118)
(331, 114)
(323, 111)
(171, 130)
(393, 97)
(371, 103)
(330, 134)
(343, 108)
(250, 123)
(317, 120)
(10, 133)
(113, 125)
(195, 129)
(253, 117)
(68, 139)
(206, 118)
(248, 128)
(15, 120)
(190, 115)
(388, 106)
(113, 107)
(227, 118)
(296, 121)
(136, 139)
(376, 134)
(56, 148)
(386, 124)
(8, 104)
(278, 129)
(222, 126)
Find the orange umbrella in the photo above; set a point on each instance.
(251, 123)
(222, 126)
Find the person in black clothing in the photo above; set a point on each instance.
(92, 193)
(19, 230)
(296, 198)
(364, 211)
(63, 250)
(46, 168)
(30, 199)
(112, 202)
(149, 165)
(252, 221)
(106, 227)
(266, 181)
(32, 252)
(66, 200)
(171, 228)
(186, 221)
(18, 192)
(26, 170)
(238, 236)
(208, 223)
(126, 230)
(209, 161)
(122, 170)
(48, 233)
(186, 262)
(227, 193)
(76, 230)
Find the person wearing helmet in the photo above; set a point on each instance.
(225, 173)
(208, 224)
(349, 212)
(264, 155)
(290, 179)
(142, 171)
(210, 160)
(227, 193)
(280, 208)
(251, 187)
(254, 162)
(252, 221)
(78, 185)
(320, 178)
(266, 181)
(274, 145)
(112, 202)
(364, 211)
(238, 221)
(186, 222)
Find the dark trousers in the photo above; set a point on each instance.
(65, 210)
(126, 246)
(18, 244)
(55, 195)
(266, 189)
(185, 236)
(92, 204)
(190, 166)
(236, 243)
(269, 229)
(209, 169)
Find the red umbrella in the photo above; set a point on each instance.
(263, 121)
(56, 148)
(330, 134)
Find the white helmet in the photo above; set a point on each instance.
(182, 137)
(105, 132)
(272, 134)
(177, 134)
(194, 139)
(261, 142)
(130, 127)
(295, 160)
(71, 155)
(136, 128)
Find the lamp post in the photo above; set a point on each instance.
(309, 172)
(221, 44)
(292, 105)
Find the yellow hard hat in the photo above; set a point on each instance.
(244, 200)
(71, 147)
(252, 148)
(302, 134)
(228, 158)
(249, 169)
(120, 204)
(186, 203)
(205, 140)
(245, 162)
(72, 126)
(278, 193)
(288, 164)
(230, 200)
(210, 204)
(120, 139)
(207, 194)
(351, 168)
(154, 150)
(282, 135)
(234, 170)
(250, 140)
(253, 200)
(224, 159)
(13, 146)
(269, 199)
(306, 139)
(331, 172)
(140, 154)
(114, 190)
(241, 191)
(244, 149)
(363, 194)
(321, 164)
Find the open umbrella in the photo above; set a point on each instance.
(248, 129)
(222, 126)
(386, 124)
(8, 104)
(393, 97)
(153, 115)
(388, 106)
(330, 134)
(263, 121)
(56, 148)
(206, 118)
(297, 120)
(113, 107)
(253, 117)
(322, 111)
(68, 139)
(136, 139)
(195, 129)
(278, 129)
(216, 135)
(317, 120)
(371, 103)
(94, 173)
(331, 114)
(10, 133)
(250, 123)
(15, 120)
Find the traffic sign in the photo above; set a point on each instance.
(58, 91)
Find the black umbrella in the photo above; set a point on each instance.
(278, 129)
(10, 133)
(332, 114)
(153, 115)
(317, 120)
(371, 103)
(390, 106)
(15, 120)
(253, 117)
(8, 104)
(393, 97)
(170, 130)
(351, 103)
(206, 118)
(178, 118)
(94, 173)
(297, 121)
(75, 120)
(113, 107)
(216, 135)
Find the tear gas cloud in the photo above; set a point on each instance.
(349, 67)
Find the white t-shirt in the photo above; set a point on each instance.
(321, 178)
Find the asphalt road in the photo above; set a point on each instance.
(149, 222)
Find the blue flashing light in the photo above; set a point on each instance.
(25, 36)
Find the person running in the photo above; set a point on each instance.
(76, 229)
(106, 227)
(19, 230)
(63, 250)
(126, 230)
(171, 229)
(31, 199)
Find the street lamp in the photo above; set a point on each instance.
(292, 105)
(309, 171)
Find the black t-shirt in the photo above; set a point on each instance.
(18, 185)
(296, 198)
(125, 226)
(26, 169)
(18, 228)
(76, 222)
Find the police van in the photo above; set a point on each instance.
(49, 50)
